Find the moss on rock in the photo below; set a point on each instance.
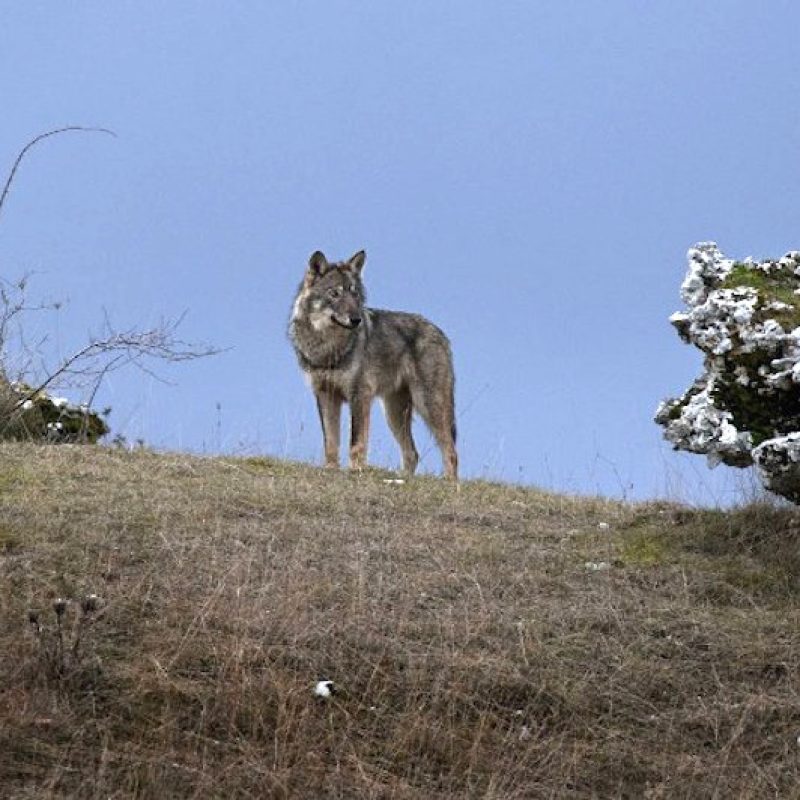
(26, 414)
(745, 317)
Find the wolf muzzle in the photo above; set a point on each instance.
(351, 321)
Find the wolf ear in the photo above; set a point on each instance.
(356, 263)
(317, 266)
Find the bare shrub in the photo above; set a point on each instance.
(27, 410)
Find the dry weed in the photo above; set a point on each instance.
(472, 651)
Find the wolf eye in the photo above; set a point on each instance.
(335, 292)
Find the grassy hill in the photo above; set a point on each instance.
(487, 642)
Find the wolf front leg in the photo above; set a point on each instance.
(360, 405)
(329, 405)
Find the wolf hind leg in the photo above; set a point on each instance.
(399, 409)
(445, 434)
(437, 408)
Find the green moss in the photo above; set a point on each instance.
(776, 286)
(743, 274)
(646, 547)
(763, 414)
(42, 420)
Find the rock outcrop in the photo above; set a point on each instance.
(745, 407)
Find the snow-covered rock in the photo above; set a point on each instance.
(745, 407)
(37, 415)
(778, 465)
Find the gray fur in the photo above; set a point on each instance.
(351, 354)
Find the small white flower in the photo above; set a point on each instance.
(324, 689)
(604, 526)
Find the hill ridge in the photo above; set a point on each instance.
(491, 641)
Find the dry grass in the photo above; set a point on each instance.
(476, 653)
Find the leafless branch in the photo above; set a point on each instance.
(13, 305)
(109, 367)
(22, 153)
(107, 352)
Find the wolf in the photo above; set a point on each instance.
(352, 354)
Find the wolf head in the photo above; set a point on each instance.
(332, 294)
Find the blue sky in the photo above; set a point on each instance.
(528, 175)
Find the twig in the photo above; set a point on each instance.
(36, 140)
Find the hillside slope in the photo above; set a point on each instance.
(491, 642)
